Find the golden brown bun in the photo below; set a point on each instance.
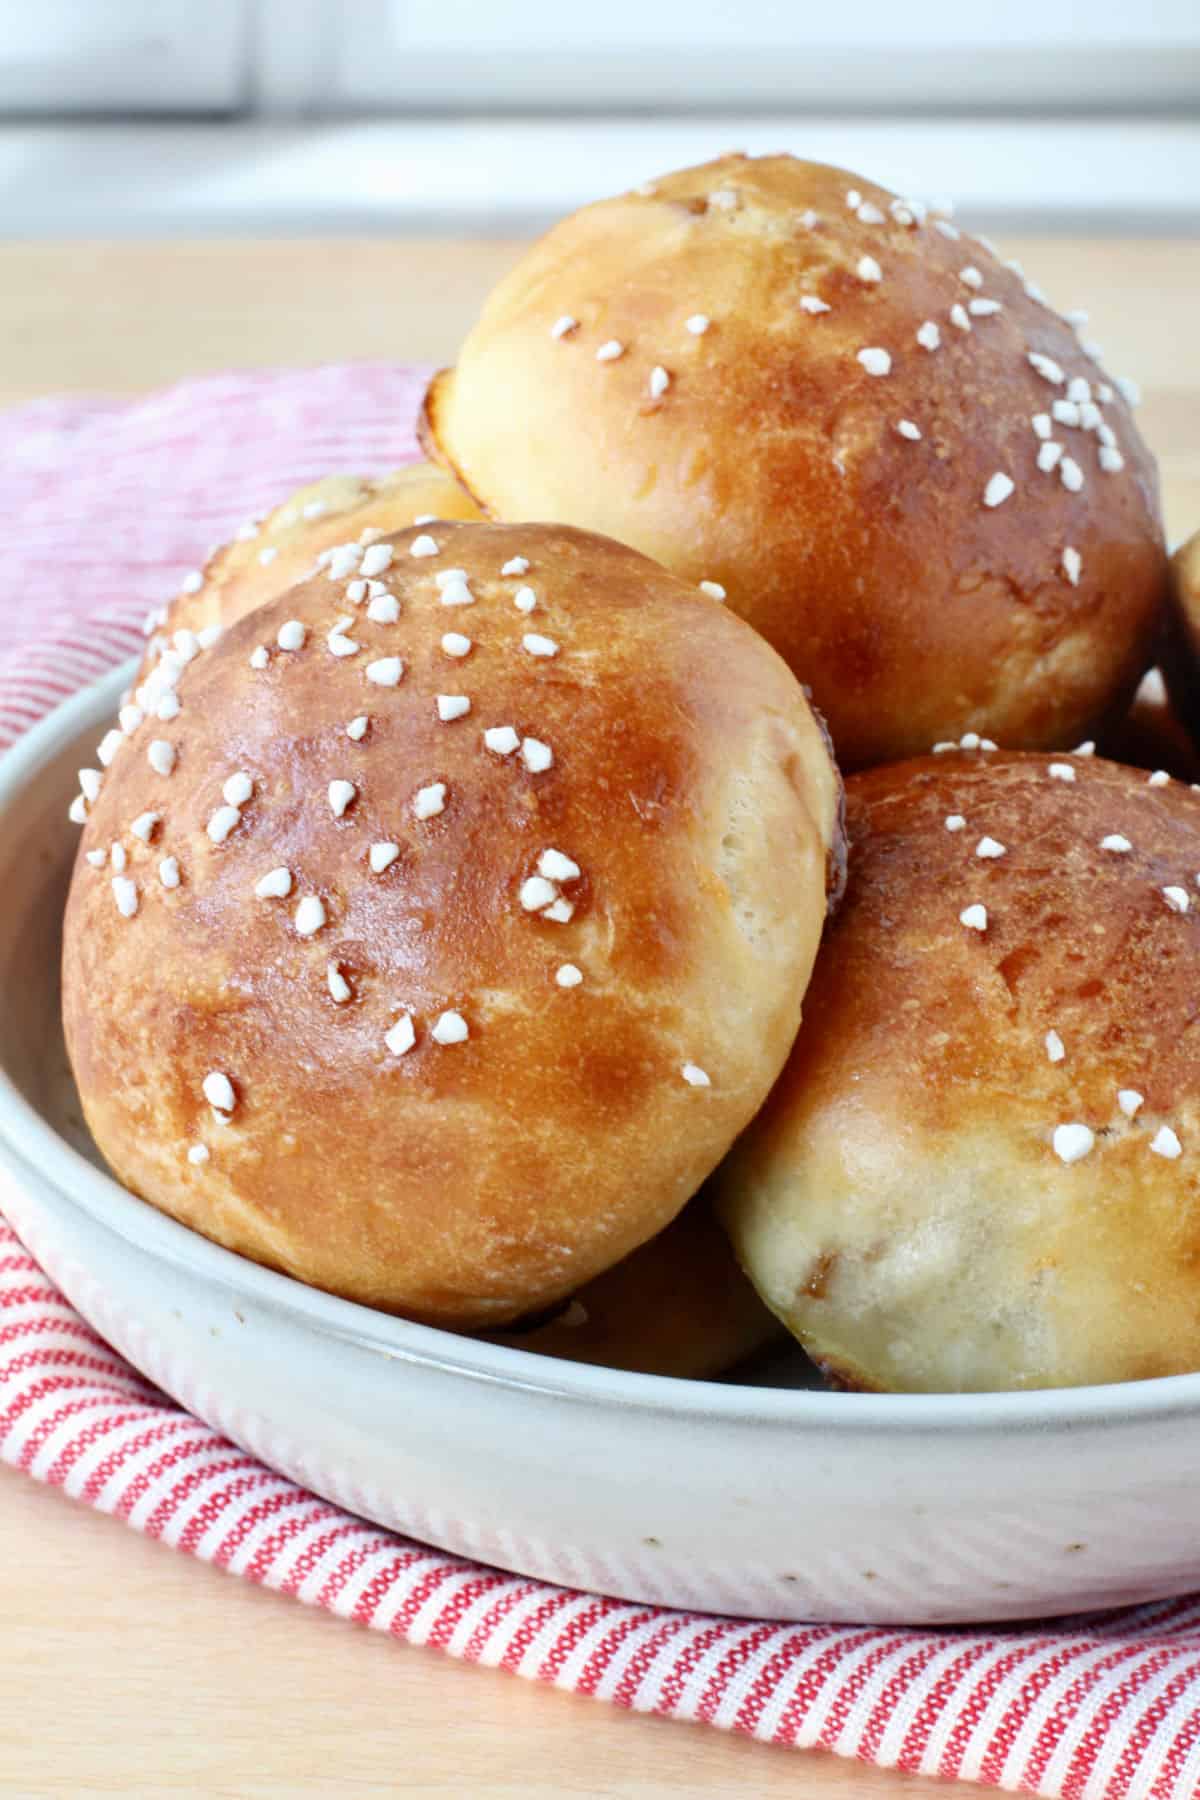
(1150, 736)
(236, 579)
(679, 1305)
(772, 464)
(462, 1183)
(1181, 663)
(900, 1202)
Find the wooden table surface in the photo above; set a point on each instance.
(125, 1668)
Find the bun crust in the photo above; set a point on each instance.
(666, 760)
(903, 1202)
(270, 555)
(678, 1306)
(761, 453)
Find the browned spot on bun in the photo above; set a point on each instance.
(816, 1284)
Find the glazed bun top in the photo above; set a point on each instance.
(267, 556)
(440, 944)
(979, 1169)
(905, 469)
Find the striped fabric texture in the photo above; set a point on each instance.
(106, 506)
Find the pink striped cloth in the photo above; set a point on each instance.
(105, 506)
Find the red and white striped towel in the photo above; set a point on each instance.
(104, 507)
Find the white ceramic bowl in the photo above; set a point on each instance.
(767, 1499)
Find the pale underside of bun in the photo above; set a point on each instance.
(979, 1169)
(678, 1306)
(460, 1076)
(904, 469)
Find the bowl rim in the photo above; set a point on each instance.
(38, 1155)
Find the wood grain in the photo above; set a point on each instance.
(127, 1669)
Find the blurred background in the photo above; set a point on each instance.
(194, 186)
(226, 117)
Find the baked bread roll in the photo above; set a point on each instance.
(899, 463)
(979, 1169)
(1181, 663)
(270, 555)
(680, 1305)
(458, 922)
